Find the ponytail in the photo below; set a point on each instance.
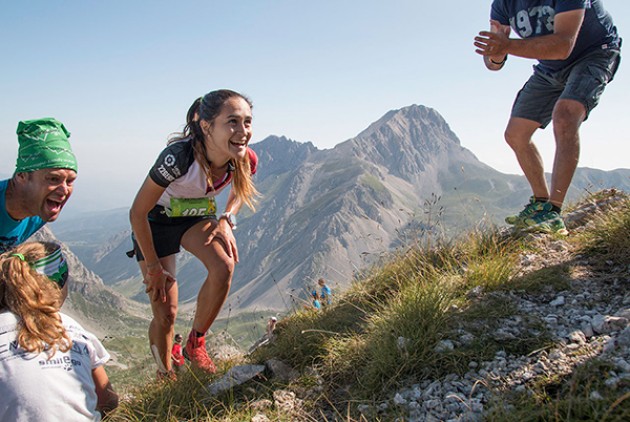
(33, 298)
(243, 183)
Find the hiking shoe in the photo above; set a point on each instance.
(531, 208)
(195, 352)
(544, 221)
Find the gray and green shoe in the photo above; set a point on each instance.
(538, 217)
(531, 208)
(544, 221)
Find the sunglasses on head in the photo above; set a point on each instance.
(53, 266)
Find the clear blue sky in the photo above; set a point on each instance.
(122, 74)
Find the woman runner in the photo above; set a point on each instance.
(176, 206)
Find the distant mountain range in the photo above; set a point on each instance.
(331, 213)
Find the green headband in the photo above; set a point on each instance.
(44, 144)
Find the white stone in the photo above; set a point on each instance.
(577, 336)
(612, 383)
(399, 400)
(431, 404)
(444, 346)
(587, 329)
(559, 301)
(260, 417)
(595, 395)
(607, 324)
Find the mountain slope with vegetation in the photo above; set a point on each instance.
(491, 325)
(330, 213)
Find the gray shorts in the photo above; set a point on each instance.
(583, 81)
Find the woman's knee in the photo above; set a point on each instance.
(221, 265)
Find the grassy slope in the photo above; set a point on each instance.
(348, 353)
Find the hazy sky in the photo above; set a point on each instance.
(122, 74)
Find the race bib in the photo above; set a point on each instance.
(192, 207)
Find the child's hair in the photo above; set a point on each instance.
(33, 298)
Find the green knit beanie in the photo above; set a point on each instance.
(44, 145)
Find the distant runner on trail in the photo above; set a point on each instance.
(51, 369)
(578, 52)
(325, 292)
(41, 184)
(176, 206)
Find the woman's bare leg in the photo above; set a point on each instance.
(162, 326)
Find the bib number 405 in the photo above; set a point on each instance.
(192, 212)
(193, 207)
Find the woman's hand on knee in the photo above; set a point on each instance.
(157, 284)
(223, 233)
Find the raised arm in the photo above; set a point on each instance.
(496, 61)
(556, 46)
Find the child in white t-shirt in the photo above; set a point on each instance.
(50, 368)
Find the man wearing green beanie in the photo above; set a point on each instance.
(42, 183)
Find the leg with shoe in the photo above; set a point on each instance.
(539, 214)
(212, 294)
(564, 98)
(162, 325)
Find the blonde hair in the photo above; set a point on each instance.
(208, 108)
(33, 298)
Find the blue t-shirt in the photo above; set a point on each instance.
(533, 18)
(326, 294)
(13, 232)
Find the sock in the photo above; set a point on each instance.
(556, 208)
(537, 199)
(198, 334)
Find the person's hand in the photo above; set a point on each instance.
(223, 232)
(493, 43)
(158, 282)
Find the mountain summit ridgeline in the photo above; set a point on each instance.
(332, 213)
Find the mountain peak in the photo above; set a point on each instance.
(412, 143)
(409, 119)
(278, 154)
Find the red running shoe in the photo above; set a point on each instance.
(195, 352)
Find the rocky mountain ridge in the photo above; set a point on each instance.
(331, 213)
